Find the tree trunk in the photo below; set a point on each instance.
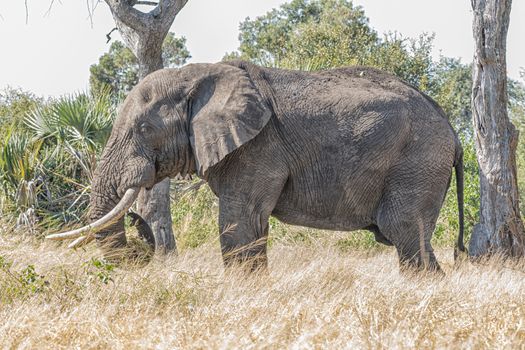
(500, 229)
(154, 207)
(144, 34)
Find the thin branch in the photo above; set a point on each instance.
(91, 7)
(48, 12)
(147, 3)
(96, 5)
(108, 35)
(27, 12)
(90, 11)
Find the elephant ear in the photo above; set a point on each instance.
(226, 111)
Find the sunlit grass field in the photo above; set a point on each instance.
(316, 294)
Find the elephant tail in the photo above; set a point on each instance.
(458, 165)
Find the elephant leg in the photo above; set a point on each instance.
(411, 237)
(407, 218)
(244, 210)
(415, 250)
(242, 236)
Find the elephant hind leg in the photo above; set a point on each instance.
(407, 219)
(417, 252)
(411, 237)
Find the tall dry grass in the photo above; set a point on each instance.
(315, 295)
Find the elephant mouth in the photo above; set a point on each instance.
(87, 233)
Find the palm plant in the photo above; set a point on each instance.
(56, 154)
(20, 172)
(76, 125)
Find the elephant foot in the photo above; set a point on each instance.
(248, 262)
(418, 263)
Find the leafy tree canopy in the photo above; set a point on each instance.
(319, 34)
(15, 104)
(451, 87)
(118, 68)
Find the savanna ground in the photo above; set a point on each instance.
(321, 291)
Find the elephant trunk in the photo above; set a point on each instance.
(112, 240)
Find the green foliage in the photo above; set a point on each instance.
(14, 105)
(76, 125)
(118, 68)
(321, 34)
(19, 284)
(20, 176)
(46, 168)
(266, 39)
(174, 51)
(336, 35)
(408, 58)
(359, 240)
(100, 270)
(194, 214)
(451, 87)
(31, 280)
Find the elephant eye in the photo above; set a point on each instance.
(145, 128)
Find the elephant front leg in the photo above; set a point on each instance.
(243, 234)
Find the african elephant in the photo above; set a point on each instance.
(341, 149)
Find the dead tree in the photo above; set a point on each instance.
(500, 229)
(144, 33)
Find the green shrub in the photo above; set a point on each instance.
(19, 284)
(46, 168)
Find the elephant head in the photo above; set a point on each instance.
(175, 121)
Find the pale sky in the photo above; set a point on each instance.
(51, 54)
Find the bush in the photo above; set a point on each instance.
(47, 166)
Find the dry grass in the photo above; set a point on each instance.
(315, 296)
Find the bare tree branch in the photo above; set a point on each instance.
(48, 12)
(27, 12)
(91, 9)
(147, 3)
(90, 12)
(95, 5)
(108, 35)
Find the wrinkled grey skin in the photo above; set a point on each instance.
(343, 149)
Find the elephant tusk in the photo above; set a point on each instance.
(81, 241)
(107, 220)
